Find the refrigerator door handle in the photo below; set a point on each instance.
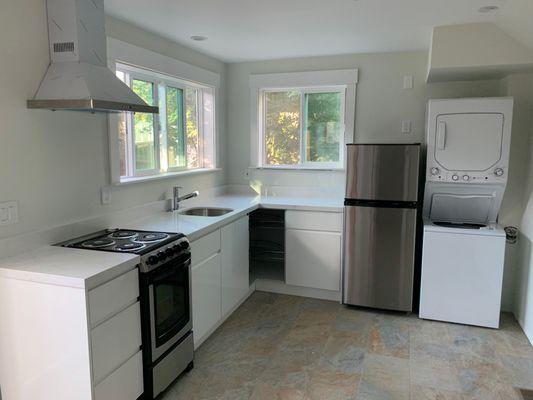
(441, 135)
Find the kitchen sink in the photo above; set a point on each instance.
(206, 211)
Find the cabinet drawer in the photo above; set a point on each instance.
(113, 296)
(126, 383)
(205, 247)
(114, 341)
(314, 220)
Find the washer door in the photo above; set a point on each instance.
(468, 142)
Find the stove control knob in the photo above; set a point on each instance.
(176, 248)
(435, 171)
(152, 260)
(455, 177)
(184, 245)
(466, 178)
(161, 256)
(169, 252)
(498, 172)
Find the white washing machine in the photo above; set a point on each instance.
(468, 143)
(462, 273)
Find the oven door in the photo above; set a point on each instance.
(170, 304)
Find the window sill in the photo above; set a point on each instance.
(288, 168)
(167, 175)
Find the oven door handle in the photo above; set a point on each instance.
(169, 271)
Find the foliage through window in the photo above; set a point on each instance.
(303, 127)
(180, 137)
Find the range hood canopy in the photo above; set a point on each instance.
(78, 78)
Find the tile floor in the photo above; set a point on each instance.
(285, 347)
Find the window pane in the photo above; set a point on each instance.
(123, 143)
(175, 138)
(143, 127)
(191, 111)
(323, 127)
(282, 128)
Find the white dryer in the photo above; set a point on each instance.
(468, 143)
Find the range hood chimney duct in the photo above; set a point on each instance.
(78, 78)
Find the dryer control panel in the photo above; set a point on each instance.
(438, 174)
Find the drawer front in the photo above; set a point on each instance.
(314, 220)
(205, 247)
(114, 341)
(126, 383)
(111, 297)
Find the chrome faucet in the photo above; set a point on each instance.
(177, 198)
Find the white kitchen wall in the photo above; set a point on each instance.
(55, 163)
(518, 202)
(382, 104)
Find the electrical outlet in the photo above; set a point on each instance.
(9, 213)
(407, 126)
(105, 194)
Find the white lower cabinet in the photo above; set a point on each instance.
(220, 276)
(206, 294)
(313, 248)
(235, 267)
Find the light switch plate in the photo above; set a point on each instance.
(9, 213)
(408, 82)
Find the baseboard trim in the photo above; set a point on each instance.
(267, 285)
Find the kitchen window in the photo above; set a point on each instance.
(302, 127)
(180, 138)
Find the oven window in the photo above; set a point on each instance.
(171, 303)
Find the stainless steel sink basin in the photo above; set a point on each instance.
(206, 211)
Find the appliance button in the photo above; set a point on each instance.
(152, 260)
(435, 171)
(498, 172)
(455, 177)
(161, 256)
(466, 178)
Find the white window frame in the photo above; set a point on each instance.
(343, 81)
(150, 66)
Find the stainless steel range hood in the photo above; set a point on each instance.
(78, 78)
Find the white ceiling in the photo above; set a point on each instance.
(244, 30)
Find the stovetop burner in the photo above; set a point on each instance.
(123, 234)
(98, 243)
(150, 237)
(123, 240)
(129, 246)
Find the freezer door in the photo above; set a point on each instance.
(382, 172)
(379, 256)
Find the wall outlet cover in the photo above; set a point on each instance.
(105, 193)
(9, 213)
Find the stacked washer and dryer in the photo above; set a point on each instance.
(463, 253)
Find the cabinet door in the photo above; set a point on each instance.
(313, 259)
(235, 263)
(206, 310)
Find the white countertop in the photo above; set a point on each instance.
(67, 267)
(89, 268)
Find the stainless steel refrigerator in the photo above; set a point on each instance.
(380, 225)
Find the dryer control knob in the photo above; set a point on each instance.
(455, 177)
(466, 178)
(435, 171)
(498, 172)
